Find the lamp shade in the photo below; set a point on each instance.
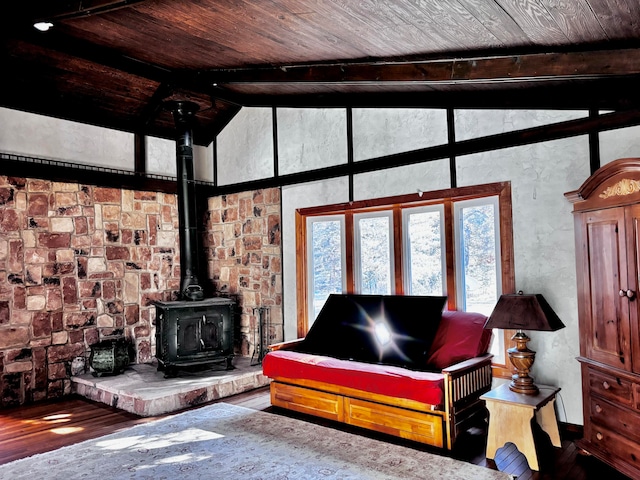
(523, 312)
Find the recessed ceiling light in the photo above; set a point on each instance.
(43, 26)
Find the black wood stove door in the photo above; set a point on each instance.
(203, 333)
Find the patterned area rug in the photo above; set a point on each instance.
(228, 442)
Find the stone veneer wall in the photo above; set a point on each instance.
(78, 264)
(244, 253)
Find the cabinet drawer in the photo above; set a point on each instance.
(420, 426)
(611, 387)
(307, 400)
(612, 444)
(624, 421)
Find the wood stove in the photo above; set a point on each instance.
(192, 330)
(193, 333)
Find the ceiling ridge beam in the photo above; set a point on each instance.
(534, 67)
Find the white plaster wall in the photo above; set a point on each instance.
(161, 159)
(161, 156)
(385, 131)
(479, 123)
(310, 138)
(620, 143)
(301, 196)
(38, 136)
(543, 233)
(203, 162)
(245, 147)
(402, 180)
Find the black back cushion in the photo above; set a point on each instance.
(388, 329)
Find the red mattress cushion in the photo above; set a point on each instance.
(426, 387)
(460, 336)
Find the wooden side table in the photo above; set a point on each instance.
(511, 417)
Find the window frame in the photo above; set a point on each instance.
(447, 197)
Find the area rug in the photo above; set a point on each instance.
(223, 441)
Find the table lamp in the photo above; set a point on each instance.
(523, 312)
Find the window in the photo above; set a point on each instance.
(455, 242)
(374, 253)
(477, 235)
(423, 234)
(326, 260)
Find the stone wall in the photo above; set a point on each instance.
(78, 264)
(244, 254)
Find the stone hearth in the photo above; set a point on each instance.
(143, 390)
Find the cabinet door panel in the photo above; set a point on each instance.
(604, 266)
(633, 242)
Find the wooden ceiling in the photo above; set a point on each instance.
(116, 63)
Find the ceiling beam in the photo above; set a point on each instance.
(538, 67)
(56, 11)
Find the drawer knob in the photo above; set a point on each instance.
(599, 436)
(622, 293)
(598, 409)
(630, 294)
(606, 385)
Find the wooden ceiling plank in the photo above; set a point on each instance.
(535, 21)
(496, 20)
(576, 20)
(618, 18)
(452, 21)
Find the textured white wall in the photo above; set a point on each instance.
(402, 180)
(301, 196)
(161, 156)
(161, 159)
(51, 138)
(310, 138)
(245, 147)
(540, 174)
(385, 131)
(479, 123)
(620, 143)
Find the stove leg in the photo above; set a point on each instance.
(230, 363)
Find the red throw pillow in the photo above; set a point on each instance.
(460, 336)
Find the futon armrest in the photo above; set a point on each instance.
(468, 365)
(285, 345)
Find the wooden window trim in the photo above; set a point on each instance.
(396, 203)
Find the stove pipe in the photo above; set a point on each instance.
(183, 115)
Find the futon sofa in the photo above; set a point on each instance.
(393, 364)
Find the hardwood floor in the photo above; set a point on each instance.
(46, 426)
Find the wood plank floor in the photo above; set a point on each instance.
(45, 426)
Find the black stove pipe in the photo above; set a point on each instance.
(184, 115)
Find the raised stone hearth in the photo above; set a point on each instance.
(143, 390)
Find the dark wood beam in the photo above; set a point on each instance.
(539, 67)
(544, 133)
(55, 11)
(21, 166)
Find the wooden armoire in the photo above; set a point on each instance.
(606, 212)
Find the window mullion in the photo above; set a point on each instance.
(449, 240)
(398, 251)
(349, 239)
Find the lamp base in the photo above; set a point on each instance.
(522, 359)
(523, 385)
